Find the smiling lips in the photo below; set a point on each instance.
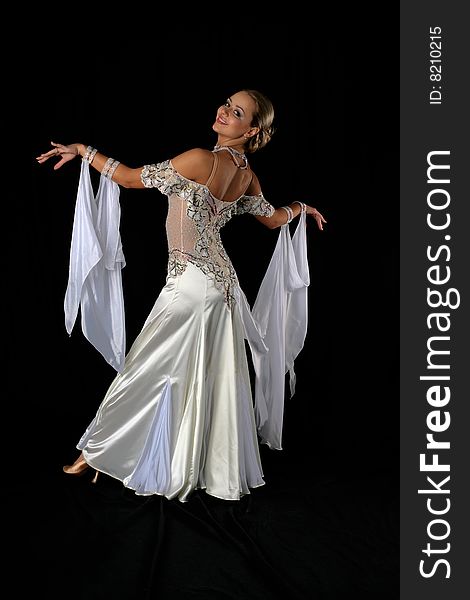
(221, 121)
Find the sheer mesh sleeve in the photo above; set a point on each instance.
(162, 176)
(255, 205)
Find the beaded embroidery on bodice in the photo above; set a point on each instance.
(195, 218)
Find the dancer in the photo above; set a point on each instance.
(179, 414)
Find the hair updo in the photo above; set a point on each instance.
(263, 118)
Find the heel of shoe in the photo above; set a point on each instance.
(79, 467)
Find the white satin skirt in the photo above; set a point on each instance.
(180, 415)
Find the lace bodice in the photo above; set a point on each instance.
(193, 224)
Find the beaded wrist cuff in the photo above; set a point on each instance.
(303, 207)
(290, 214)
(90, 154)
(110, 166)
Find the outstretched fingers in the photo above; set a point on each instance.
(319, 218)
(49, 154)
(59, 150)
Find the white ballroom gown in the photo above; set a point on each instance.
(179, 415)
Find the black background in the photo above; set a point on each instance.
(145, 99)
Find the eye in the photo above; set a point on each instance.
(238, 114)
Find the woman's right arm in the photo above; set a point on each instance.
(123, 176)
(281, 215)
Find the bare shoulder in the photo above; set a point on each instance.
(194, 164)
(254, 188)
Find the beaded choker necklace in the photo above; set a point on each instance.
(236, 155)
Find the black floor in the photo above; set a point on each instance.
(308, 533)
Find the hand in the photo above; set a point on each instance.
(316, 215)
(65, 153)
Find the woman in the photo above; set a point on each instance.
(179, 416)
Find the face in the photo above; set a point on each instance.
(234, 118)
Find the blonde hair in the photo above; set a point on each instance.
(263, 118)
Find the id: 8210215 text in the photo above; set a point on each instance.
(435, 65)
